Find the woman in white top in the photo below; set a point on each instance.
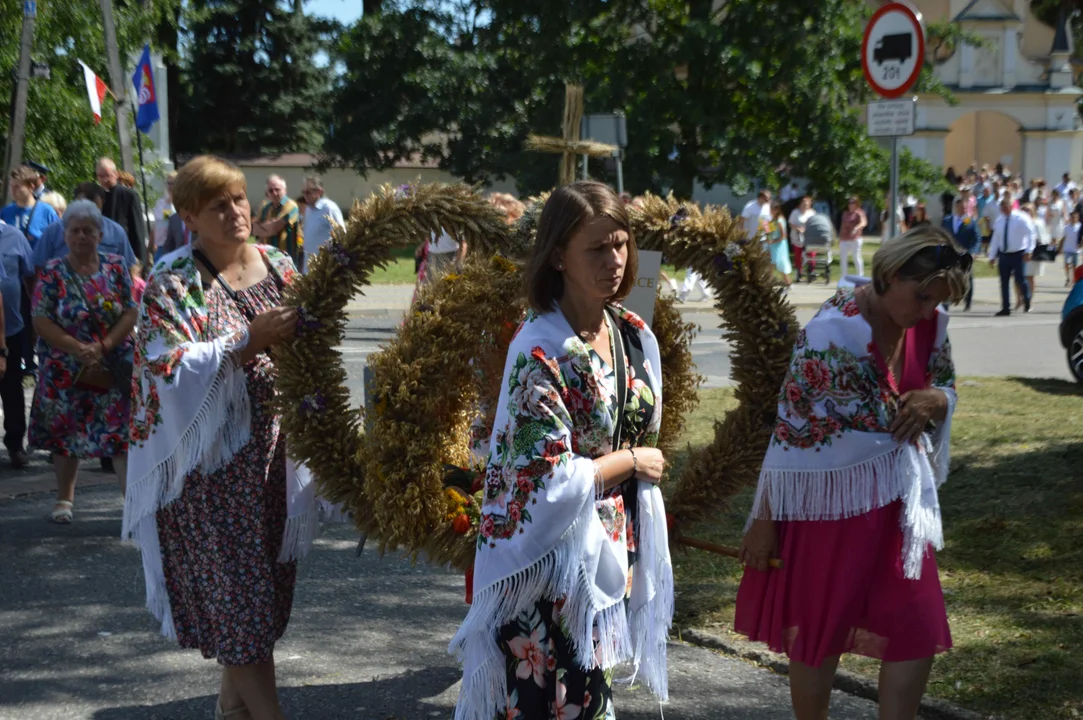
(163, 209)
(1033, 267)
(798, 218)
(1069, 245)
(1056, 217)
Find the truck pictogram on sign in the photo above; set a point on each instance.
(898, 47)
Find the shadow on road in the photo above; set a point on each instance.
(401, 696)
(1051, 386)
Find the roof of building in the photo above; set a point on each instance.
(308, 160)
(986, 11)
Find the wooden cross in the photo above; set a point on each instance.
(569, 146)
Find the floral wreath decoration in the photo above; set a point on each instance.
(410, 482)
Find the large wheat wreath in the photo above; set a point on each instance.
(408, 480)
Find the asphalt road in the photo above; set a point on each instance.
(367, 639)
(368, 635)
(1022, 345)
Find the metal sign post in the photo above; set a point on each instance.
(892, 54)
(610, 129)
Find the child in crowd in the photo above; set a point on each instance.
(1070, 247)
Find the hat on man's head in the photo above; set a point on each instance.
(41, 169)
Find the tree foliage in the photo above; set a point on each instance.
(60, 129)
(739, 92)
(250, 81)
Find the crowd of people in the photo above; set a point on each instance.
(72, 276)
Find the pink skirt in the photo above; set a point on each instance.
(842, 590)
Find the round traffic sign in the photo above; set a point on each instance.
(893, 49)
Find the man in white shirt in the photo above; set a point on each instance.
(790, 192)
(322, 216)
(757, 214)
(1014, 239)
(1066, 185)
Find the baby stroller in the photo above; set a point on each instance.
(819, 235)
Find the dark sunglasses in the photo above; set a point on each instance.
(947, 258)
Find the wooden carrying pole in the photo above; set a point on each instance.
(775, 563)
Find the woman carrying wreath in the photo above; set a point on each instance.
(83, 314)
(572, 572)
(848, 492)
(212, 503)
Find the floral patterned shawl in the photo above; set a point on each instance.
(831, 455)
(191, 410)
(540, 533)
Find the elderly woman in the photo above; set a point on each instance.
(84, 314)
(848, 492)
(212, 501)
(571, 498)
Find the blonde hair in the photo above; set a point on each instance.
(905, 258)
(201, 179)
(56, 200)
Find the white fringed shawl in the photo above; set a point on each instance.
(831, 456)
(191, 411)
(540, 535)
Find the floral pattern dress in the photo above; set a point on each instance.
(220, 540)
(65, 419)
(543, 679)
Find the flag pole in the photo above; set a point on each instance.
(146, 208)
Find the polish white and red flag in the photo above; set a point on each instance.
(96, 89)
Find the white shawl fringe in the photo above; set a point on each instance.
(904, 473)
(650, 623)
(221, 427)
(561, 573)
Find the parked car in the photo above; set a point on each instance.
(1071, 330)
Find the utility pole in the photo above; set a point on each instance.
(119, 87)
(17, 134)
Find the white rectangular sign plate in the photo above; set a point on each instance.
(891, 118)
(641, 300)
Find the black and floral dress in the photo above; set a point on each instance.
(229, 595)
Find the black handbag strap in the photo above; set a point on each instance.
(621, 375)
(201, 257)
(77, 286)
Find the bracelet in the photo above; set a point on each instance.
(599, 480)
(635, 462)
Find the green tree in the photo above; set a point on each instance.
(251, 83)
(743, 92)
(60, 129)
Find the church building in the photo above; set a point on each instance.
(1017, 94)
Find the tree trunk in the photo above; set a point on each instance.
(371, 7)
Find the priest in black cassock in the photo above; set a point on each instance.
(122, 206)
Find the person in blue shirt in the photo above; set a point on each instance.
(114, 238)
(26, 214)
(16, 266)
(29, 217)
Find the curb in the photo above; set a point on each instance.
(846, 681)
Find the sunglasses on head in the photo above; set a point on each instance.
(947, 258)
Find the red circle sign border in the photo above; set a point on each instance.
(915, 19)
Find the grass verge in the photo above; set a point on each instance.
(1012, 568)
